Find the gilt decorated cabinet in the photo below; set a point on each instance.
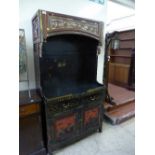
(66, 52)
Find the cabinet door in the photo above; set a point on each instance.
(63, 128)
(30, 135)
(118, 74)
(121, 74)
(91, 118)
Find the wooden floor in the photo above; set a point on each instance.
(124, 107)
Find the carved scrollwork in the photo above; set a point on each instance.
(56, 23)
(36, 30)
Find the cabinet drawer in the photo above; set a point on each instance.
(28, 109)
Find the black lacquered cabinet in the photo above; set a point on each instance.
(66, 52)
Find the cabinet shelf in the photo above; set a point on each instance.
(124, 56)
(119, 64)
(127, 39)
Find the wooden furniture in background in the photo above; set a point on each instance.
(124, 107)
(120, 59)
(30, 128)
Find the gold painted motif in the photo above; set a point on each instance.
(57, 23)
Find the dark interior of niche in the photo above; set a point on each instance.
(68, 64)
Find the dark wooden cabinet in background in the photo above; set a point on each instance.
(120, 59)
(30, 127)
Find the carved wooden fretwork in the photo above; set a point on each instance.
(36, 29)
(46, 24)
(56, 23)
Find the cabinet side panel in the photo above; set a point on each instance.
(36, 64)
